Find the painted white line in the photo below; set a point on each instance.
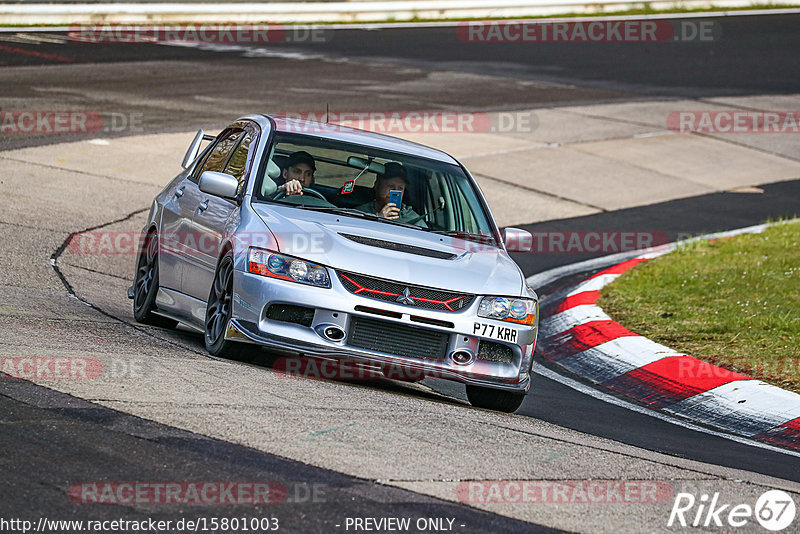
(541, 370)
(247, 51)
(655, 253)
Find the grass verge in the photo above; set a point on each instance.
(733, 302)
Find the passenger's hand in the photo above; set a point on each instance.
(390, 211)
(293, 187)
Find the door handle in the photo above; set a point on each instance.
(203, 206)
(179, 192)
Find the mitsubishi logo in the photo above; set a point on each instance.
(405, 298)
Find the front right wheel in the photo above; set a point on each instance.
(494, 399)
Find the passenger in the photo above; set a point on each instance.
(393, 177)
(298, 173)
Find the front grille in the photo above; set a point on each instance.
(289, 313)
(386, 290)
(495, 352)
(401, 247)
(397, 339)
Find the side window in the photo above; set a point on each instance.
(239, 163)
(216, 159)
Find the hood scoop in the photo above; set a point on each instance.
(401, 247)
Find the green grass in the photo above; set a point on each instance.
(733, 302)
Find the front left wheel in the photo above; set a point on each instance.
(219, 311)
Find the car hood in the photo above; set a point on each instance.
(320, 237)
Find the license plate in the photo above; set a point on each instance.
(500, 333)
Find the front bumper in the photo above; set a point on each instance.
(253, 294)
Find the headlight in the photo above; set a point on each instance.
(521, 311)
(266, 263)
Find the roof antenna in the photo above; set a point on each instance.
(327, 113)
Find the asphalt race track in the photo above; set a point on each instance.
(206, 420)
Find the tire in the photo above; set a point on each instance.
(145, 286)
(494, 399)
(219, 311)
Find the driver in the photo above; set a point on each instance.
(298, 173)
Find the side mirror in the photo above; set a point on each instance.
(218, 184)
(517, 240)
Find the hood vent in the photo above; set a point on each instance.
(401, 247)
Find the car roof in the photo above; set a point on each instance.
(355, 136)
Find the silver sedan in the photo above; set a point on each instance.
(339, 244)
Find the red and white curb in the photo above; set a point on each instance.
(578, 336)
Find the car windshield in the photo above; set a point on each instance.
(357, 181)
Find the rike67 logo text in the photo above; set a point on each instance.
(774, 510)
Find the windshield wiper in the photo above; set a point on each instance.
(468, 236)
(362, 214)
(343, 211)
